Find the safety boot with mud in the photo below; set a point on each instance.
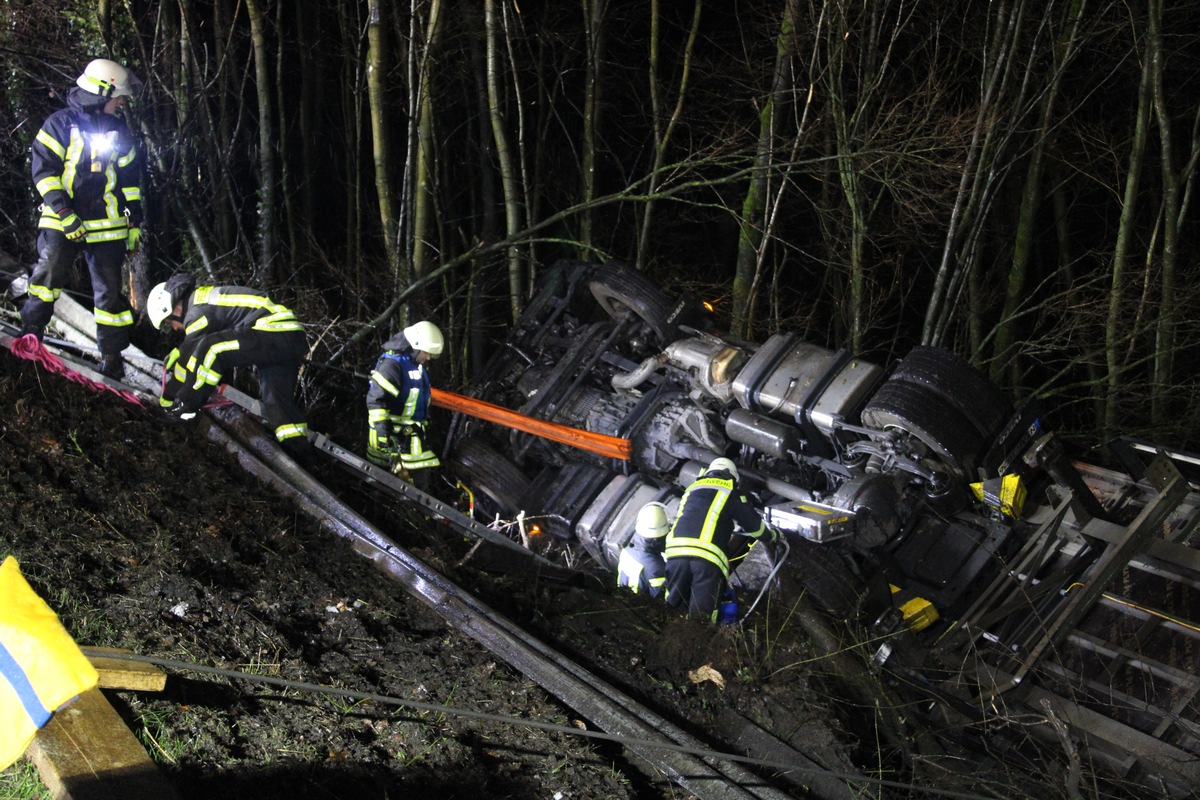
(29, 328)
(112, 366)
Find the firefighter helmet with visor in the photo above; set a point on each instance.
(723, 465)
(424, 335)
(108, 79)
(652, 521)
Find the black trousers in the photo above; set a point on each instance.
(56, 258)
(277, 355)
(695, 584)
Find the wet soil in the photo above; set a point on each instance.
(153, 539)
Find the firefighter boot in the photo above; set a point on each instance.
(112, 366)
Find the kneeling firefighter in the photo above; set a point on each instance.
(700, 544)
(226, 327)
(398, 399)
(640, 566)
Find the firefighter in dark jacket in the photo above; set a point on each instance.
(398, 398)
(700, 541)
(226, 327)
(86, 169)
(641, 567)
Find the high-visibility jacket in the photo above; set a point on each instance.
(86, 161)
(41, 667)
(704, 526)
(641, 568)
(398, 397)
(232, 326)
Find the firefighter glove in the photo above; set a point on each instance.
(399, 470)
(72, 225)
(133, 241)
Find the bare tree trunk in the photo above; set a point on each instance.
(267, 242)
(378, 59)
(425, 181)
(1114, 332)
(750, 234)
(1168, 314)
(593, 14)
(662, 133)
(1005, 355)
(508, 177)
(950, 275)
(511, 21)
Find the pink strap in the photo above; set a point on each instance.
(29, 348)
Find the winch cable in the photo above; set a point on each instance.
(502, 719)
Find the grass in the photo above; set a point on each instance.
(87, 626)
(21, 782)
(156, 734)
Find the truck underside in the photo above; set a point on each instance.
(913, 497)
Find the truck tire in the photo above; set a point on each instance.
(919, 411)
(620, 289)
(958, 384)
(496, 482)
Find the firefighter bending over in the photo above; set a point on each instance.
(226, 327)
(86, 170)
(398, 403)
(641, 567)
(700, 542)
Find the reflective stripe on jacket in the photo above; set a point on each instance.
(399, 390)
(704, 525)
(86, 161)
(641, 571)
(224, 308)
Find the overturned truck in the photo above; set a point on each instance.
(914, 497)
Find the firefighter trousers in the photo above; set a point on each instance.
(694, 584)
(276, 355)
(56, 260)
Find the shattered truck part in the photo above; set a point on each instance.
(884, 479)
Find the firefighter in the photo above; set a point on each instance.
(641, 567)
(226, 327)
(699, 543)
(398, 403)
(86, 169)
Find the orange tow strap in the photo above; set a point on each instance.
(599, 443)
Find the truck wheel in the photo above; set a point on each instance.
(958, 384)
(917, 410)
(826, 578)
(497, 483)
(621, 289)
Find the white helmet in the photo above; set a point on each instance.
(108, 79)
(159, 305)
(723, 465)
(424, 335)
(652, 521)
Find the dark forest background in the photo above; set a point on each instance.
(1009, 179)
